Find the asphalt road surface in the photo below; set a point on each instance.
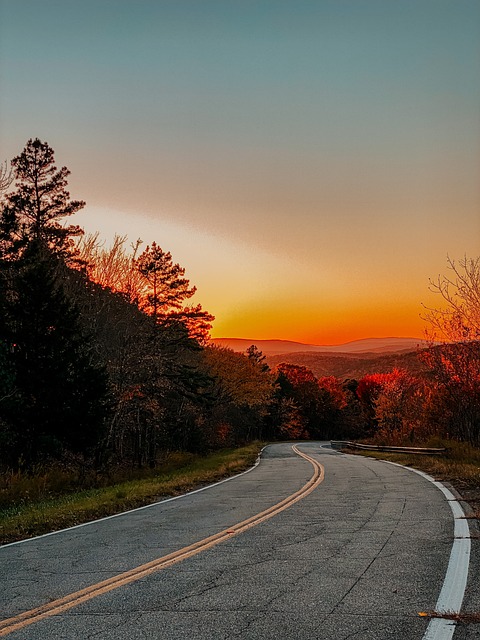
(358, 557)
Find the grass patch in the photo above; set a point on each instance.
(27, 516)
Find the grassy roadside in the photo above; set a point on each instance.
(31, 517)
(460, 467)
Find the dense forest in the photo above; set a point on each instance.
(104, 361)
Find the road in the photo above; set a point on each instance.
(358, 557)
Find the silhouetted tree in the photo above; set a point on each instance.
(166, 292)
(458, 319)
(59, 398)
(40, 200)
(255, 355)
(113, 267)
(6, 178)
(168, 288)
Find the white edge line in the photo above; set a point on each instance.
(146, 506)
(455, 582)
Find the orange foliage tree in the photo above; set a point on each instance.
(317, 403)
(455, 364)
(455, 370)
(114, 267)
(241, 390)
(150, 280)
(394, 406)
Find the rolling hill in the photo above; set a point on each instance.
(350, 360)
(345, 366)
(366, 345)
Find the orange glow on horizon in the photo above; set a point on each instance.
(308, 326)
(261, 295)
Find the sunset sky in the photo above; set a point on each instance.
(310, 163)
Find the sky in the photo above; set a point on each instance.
(311, 164)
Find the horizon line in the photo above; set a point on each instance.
(333, 344)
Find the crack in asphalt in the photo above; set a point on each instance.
(374, 559)
(112, 627)
(176, 595)
(241, 632)
(220, 582)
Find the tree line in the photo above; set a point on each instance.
(105, 361)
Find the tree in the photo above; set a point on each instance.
(112, 267)
(455, 364)
(394, 407)
(459, 319)
(399, 407)
(368, 391)
(335, 389)
(6, 178)
(167, 286)
(239, 379)
(241, 391)
(153, 366)
(121, 340)
(166, 292)
(285, 420)
(197, 322)
(60, 398)
(455, 369)
(152, 341)
(33, 211)
(314, 400)
(255, 355)
(352, 422)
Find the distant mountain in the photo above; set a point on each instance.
(364, 346)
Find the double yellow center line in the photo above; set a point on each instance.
(61, 605)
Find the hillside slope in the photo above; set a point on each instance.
(366, 345)
(346, 365)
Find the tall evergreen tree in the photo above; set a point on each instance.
(167, 286)
(60, 396)
(39, 201)
(166, 291)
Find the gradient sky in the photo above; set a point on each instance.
(310, 163)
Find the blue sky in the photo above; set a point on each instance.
(323, 156)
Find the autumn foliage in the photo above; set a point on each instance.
(311, 407)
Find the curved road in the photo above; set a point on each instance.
(358, 557)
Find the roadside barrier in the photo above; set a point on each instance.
(426, 451)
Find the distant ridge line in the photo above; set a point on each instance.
(363, 345)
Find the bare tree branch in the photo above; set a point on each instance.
(6, 177)
(458, 319)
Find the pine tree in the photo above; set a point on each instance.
(166, 290)
(40, 200)
(167, 286)
(60, 396)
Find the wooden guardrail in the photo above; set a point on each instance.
(347, 444)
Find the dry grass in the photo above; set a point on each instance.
(32, 516)
(465, 618)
